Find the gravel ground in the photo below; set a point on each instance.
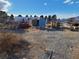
(53, 44)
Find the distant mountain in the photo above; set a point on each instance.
(77, 18)
(73, 18)
(63, 20)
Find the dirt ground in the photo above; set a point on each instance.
(64, 44)
(49, 45)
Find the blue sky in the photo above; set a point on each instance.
(63, 8)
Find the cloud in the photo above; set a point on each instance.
(70, 2)
(4, 4)
(67, 1)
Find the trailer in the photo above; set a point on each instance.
(74, 27)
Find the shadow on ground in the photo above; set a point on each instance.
(19, 31)
(19, 50)
(13, 46)
(53, 29)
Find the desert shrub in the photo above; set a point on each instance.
(11, 43)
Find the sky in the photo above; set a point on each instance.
(62, 8)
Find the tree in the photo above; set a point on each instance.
(12, 17)
(26, 15)
(45, 17)
(49, 18)
(3, 16)
(35, 15)
(54, 17)
(30, 15)
(19, 15)
(41, 16)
